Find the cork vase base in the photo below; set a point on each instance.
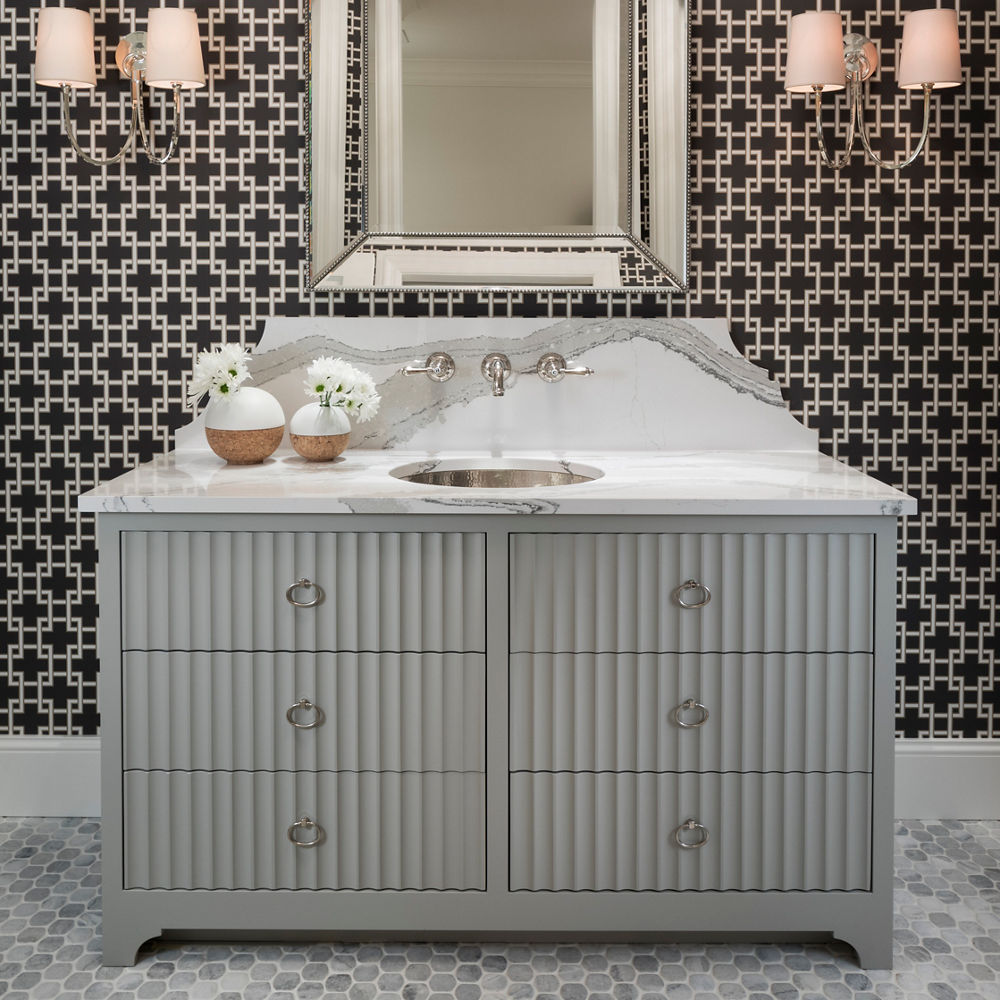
(244, 447)
(319, 447)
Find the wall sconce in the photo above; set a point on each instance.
(168, 55)
(821, 57)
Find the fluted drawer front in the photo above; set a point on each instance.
(384, 591)
(761, 712)
(220, 830)
(615, 592)
(366, 711)
(616, 831)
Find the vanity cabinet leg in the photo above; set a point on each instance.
(122, 937)
(873, 945)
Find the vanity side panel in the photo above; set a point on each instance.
(382, 590)
(872, 934)
(762, 712)
(115, 926)
(616, 832)
(616, 592)
(371, 711)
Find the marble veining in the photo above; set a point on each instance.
(570, 337)
(660, 384)
(721, 482)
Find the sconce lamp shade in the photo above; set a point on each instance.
(64, 49)
(930, 51)
(815, 52)
(173, 49)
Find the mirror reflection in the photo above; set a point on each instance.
(495, 131)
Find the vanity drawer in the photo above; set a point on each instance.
(370, 711)
(616, 832)
(221, 830)
(622, 712)
(767, 592)
(228, 590)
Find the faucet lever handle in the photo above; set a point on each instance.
(439, 367)
(552, 368)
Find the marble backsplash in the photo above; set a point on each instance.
(658, 385)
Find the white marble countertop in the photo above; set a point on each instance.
(641, 482)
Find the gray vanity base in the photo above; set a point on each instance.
(498, 754)
(854, 918)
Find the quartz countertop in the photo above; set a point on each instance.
(640, 482)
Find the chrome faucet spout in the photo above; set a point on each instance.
(496, 369)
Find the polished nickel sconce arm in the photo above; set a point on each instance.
(917, 150)
(131, 62)
(859, 126)
(827, 159)
(174, 131)
(71, 135)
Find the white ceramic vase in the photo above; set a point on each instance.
(319, 433)
(246, 427)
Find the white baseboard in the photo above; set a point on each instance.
(935, 779)
(947, 779)
(50, 776)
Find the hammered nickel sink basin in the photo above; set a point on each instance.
(495, 473)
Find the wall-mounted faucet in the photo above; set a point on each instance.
(496, 369)
(439, 367)
(552, 368)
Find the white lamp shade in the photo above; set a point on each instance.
(815, 52)
(64, 49)
(930, 50)
(173, 49)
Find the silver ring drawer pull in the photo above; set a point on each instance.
(692, 585)
(305, 823)
(691, 706)
(691, 825)
(304, 584)
(305, 705)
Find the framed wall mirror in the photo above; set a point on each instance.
(510, 144)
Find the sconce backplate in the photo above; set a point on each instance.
(131, 53)
(860, 56)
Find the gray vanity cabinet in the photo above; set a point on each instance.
(499, 724)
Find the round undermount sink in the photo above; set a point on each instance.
(495, 473)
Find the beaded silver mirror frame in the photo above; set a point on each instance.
(346, 254)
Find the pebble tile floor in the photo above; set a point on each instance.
(947, 943)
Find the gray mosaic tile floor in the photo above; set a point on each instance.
(947, 943)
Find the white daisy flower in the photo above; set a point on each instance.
(368, 407)
(219, 372)
(335, 382)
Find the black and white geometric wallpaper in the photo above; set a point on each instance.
(875, 299)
